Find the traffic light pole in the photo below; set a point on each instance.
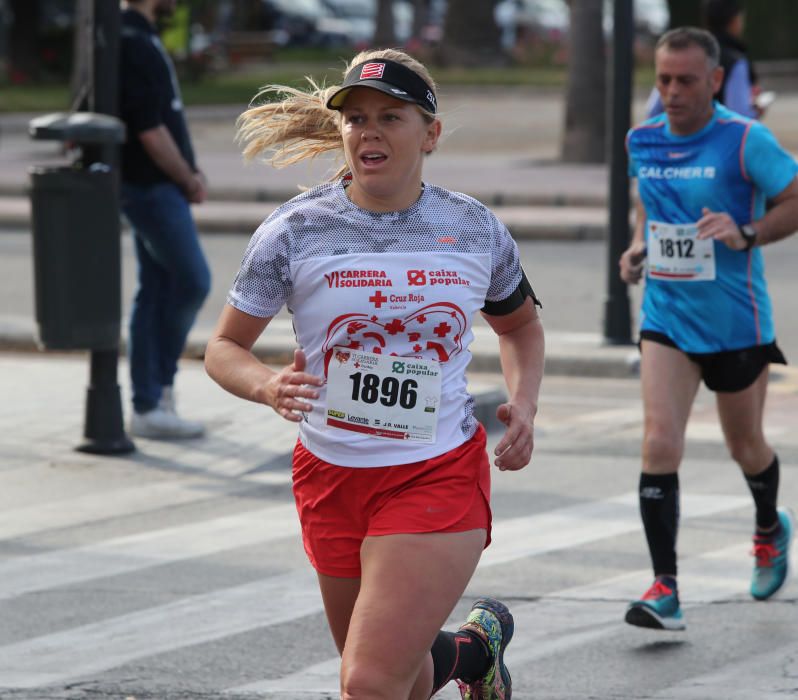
(617, 317)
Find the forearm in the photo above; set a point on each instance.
(639, 231)
(521, 351)
(162, 149)
(237, 370)
(779, 223)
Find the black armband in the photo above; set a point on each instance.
(511, 303)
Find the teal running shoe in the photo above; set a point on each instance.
(658, 609)
(772, 557)
(492, 622)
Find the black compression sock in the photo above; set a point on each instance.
(659, 510)
(765, 488)
(669, 581)
(460, 655)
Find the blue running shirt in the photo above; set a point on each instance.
(732, 165)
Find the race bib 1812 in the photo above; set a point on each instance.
(675, 254)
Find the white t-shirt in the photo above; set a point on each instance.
(404, 283)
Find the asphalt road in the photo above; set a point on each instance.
(178, 573)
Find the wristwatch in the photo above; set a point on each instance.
(748, 233)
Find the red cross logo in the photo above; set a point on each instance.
(378, 299)
(394, 327)
(442, 329)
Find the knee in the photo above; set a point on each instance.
(747, 450)
(362, 682)
(662, 452)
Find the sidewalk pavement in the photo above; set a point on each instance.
(536, 196)
(500, 146)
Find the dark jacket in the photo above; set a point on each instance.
(149, 96)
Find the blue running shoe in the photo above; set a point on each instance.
(658, 609)
(772, 557)
(492, 622)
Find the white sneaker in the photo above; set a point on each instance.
(159, 424)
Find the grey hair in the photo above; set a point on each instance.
(685, 37)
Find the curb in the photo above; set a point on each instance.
(577, 355)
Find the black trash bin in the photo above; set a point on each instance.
(76, 235)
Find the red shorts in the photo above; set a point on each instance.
(340, 506)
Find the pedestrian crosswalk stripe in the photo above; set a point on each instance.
(133, 552)
(516, 538)
(75, 510)
(567, 618)
(716, 574)
(775, 676)
(98, 646)
(534, 535)
(547, 626)
(71, 653)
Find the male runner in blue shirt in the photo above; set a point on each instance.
(704, 174)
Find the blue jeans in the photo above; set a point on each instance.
(173, 281)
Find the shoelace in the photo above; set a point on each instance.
(657, 590)
(765, 552)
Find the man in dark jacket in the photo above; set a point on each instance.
(160, 179)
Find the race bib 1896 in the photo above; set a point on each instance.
(389, 397)
(675, 254)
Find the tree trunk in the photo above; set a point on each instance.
(470, 34)
(585, 107)
(23, 42)
(384, 33)
(420, 13)
(685, 13)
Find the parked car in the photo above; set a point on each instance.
(553, 16)
(361, 18)
(303, 23)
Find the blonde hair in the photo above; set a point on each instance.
(298, 125)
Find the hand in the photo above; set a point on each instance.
(720, 227)
(515, 448)
(759, 109)
(631, 262)
(195, 190)
(285, 390)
